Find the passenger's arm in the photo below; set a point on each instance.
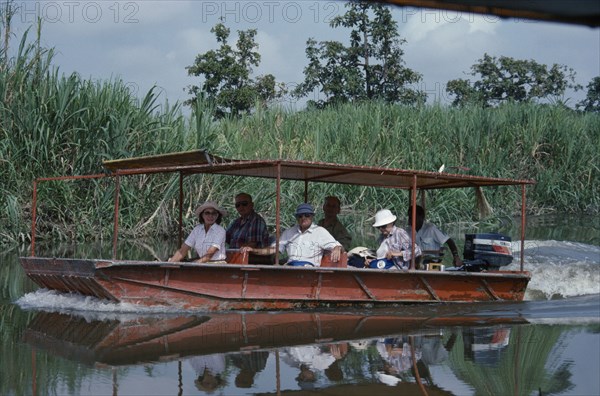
(336, 253)
(260, 251)
(209, 253)
(180, 254)
(456, 260)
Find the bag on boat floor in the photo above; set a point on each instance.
(382, 264)
(356, 261)
(357, 256)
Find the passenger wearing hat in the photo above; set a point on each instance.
(305, 242)
(208, 237)
(395, 245)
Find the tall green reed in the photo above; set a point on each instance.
(53, 124)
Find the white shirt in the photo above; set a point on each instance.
(429, 237)
(202, 240)
(311, 355)
(215, 363)
(308, 245)
(397, 241)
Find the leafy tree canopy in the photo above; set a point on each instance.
(592, 99)
(371, 67)
(227, 71)
(506, 79)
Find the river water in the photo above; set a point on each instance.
(548, 344)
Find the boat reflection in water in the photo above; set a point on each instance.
(345, 353)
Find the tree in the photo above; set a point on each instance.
(592, 99)
(506, 79)
(371, 67)
(228, 85)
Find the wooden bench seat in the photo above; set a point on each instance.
(342, 263)
(234, 256)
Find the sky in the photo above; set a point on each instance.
(151, 42)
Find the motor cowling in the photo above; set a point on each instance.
(487, 251)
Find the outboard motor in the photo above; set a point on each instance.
(486, 252)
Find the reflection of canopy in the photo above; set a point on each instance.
(580, 12)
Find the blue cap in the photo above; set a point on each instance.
(304, 209)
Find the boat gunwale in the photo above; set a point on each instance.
(101, 264)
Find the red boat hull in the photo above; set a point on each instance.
(213, 287)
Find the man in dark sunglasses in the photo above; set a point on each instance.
(250, 228)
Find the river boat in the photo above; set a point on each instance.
(238, 285)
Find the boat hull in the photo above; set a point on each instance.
(223, 287)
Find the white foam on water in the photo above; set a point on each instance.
(53, 301)
(559, 269)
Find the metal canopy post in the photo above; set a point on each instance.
(180, 225)
(277, 212)
(116, 217)
(33, 217)
(522, 225)
(305, 191)
(413, 199)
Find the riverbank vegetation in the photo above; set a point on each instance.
(53, 124)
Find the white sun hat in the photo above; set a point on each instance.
(362, 252)
(212, 205)
(388, 379)
(383, 217)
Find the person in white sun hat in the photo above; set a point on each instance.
(395, 245)
(208, 237)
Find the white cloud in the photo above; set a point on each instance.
(149, 42)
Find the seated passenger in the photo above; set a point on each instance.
(250, 228)
(430, 239)
(305, 243)
(208, 237)
(331, 209)
(395, 245)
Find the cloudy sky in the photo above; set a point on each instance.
(150, 42)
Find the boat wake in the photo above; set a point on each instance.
(53, 301)
(559, 269)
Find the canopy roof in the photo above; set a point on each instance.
(200, 161)
(580, 12)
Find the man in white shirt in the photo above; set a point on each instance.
(305, 242)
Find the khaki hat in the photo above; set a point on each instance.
(210, 204)
(362, 252)
(384, 217)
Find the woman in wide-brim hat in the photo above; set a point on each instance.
(208, 237)
(395, 245)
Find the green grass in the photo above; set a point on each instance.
(53, 124)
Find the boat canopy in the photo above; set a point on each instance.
(579, 12)
(200, 161)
